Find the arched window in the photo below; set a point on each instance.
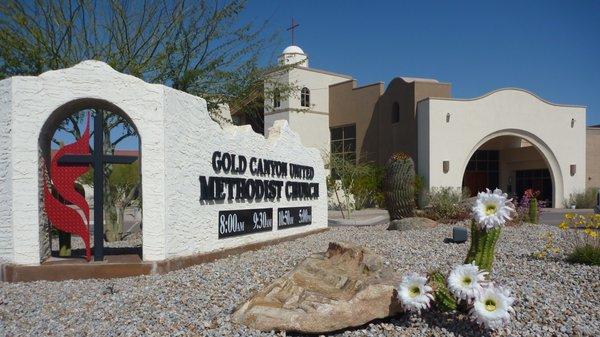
(395, 113)
(305, 97)
(276, 98)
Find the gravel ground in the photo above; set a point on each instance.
(553, 297)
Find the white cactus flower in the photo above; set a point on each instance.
(493, 307)
(492, 209)
(414, 294)
(465, 281)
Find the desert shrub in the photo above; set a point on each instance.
(585, 199)
(447, 204)
(587, 254)
(353, 185)
(582, 233)
(367, 187)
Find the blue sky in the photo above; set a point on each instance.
(551, 48)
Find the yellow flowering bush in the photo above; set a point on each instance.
(583, 233)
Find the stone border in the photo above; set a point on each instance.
(102, 270)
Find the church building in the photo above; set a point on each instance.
(509, 138)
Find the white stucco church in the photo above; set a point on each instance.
(509, 138)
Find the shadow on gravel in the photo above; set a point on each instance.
(80, 253)
(456, 323)
(340, 332)
(532, 257)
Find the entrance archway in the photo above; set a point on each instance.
(513, 161)
(75, 198)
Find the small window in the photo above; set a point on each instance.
(276, 98)
(305, 97)
(395, 113)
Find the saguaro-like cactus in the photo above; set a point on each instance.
(533, 211)
(483, 244)
(399, 188)
(443, 298)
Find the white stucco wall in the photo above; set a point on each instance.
(190, 142)
(510, 112)
(6, 206)
(177, 139)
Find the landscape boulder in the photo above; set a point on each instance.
(411, 223)
(346, 286)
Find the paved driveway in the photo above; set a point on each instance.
(554, 216)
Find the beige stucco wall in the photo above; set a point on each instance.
(370, 107)
(349, 104)
(402, 136)
(593, 157)
(507, 112)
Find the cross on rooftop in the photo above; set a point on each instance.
(292, 28)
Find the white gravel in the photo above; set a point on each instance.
(553, 296)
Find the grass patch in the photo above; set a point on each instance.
(587, 254)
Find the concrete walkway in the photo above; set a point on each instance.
(375, 216)
(554, 216)
(364, 217)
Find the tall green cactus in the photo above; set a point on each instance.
(443, 298)
(483, 244)
(533, 211)
(399, 188)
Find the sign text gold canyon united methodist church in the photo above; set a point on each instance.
(247, 221)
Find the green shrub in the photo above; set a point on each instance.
(586, 199)
(367, 187)
(582, 232)
(447, 204)
(587, 254)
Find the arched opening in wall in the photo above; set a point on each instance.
(90, 201)
(512, 164)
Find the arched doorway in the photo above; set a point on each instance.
(514, 163)
(75, 197)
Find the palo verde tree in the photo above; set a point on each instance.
(202, 47)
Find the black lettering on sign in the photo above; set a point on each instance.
(244, 221)
(294, 217)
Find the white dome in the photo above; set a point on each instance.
(293, 50)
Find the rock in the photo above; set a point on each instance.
(459, 234)
(411, 223)
(344, 287)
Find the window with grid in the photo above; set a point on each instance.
(487, 162)
(343, 141)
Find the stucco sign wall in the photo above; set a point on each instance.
(204, 187)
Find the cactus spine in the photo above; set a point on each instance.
(533, 210)
(443, 298)
(399, 188)
(483, 244)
